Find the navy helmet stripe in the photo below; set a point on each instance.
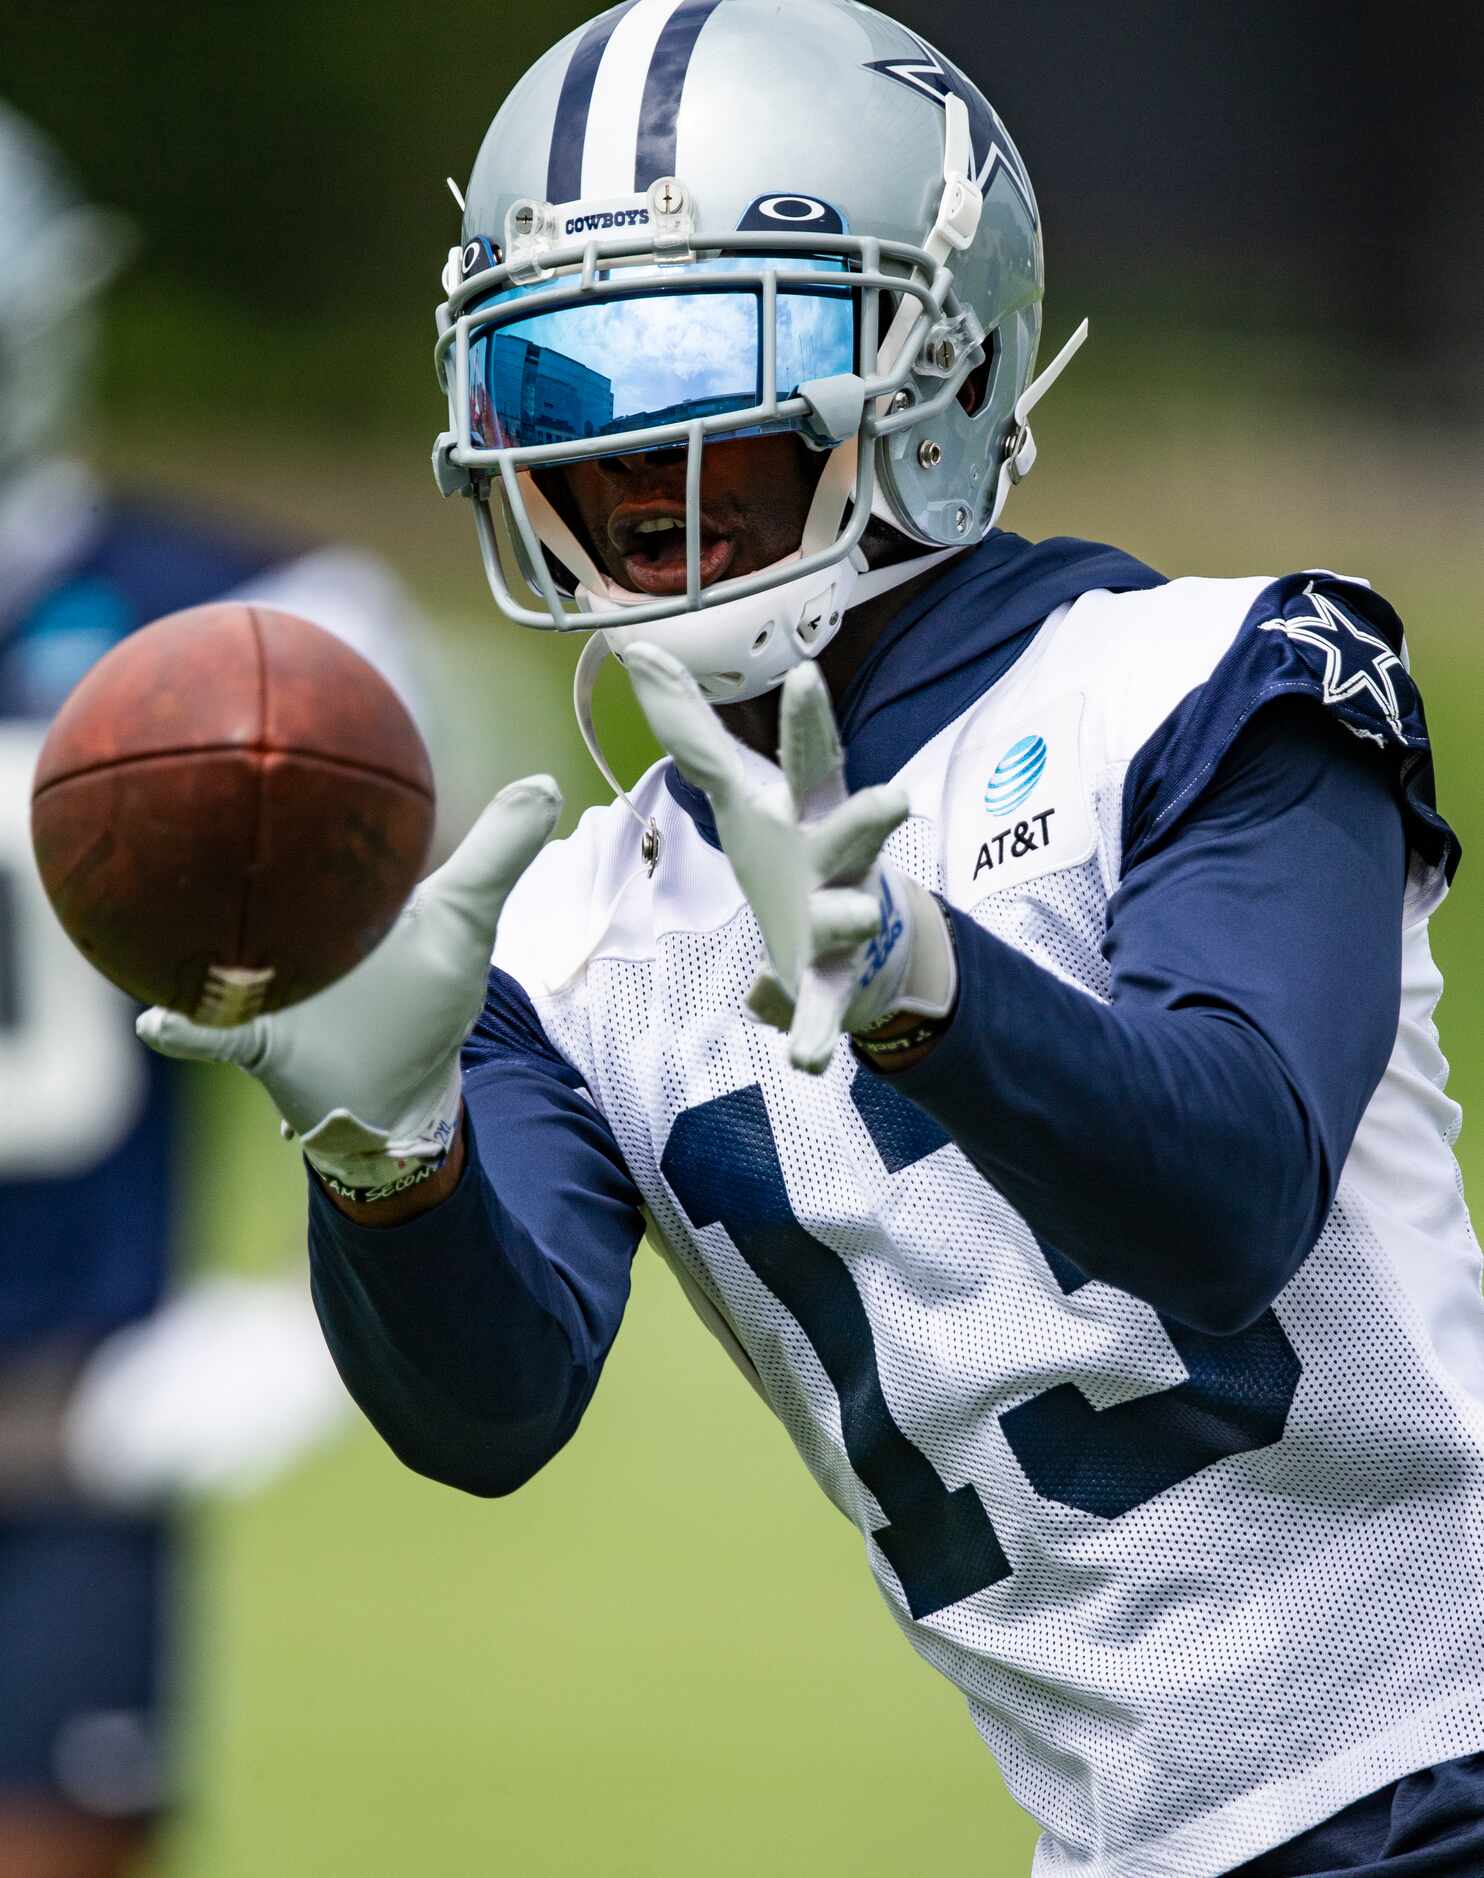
(569, 132)
(654, 154)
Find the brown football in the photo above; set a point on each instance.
(230, 811)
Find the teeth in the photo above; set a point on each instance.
(657, 525)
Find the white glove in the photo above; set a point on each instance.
(222, 1389)
(367, 1072)
(850, 938)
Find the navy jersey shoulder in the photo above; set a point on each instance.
(962, 633)
(949, 644)
(87, 1249)
(142, 562)
(1312, 635)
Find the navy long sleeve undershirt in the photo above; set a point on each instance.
(1182, 1142)
(473, 1335)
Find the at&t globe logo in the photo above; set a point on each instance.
(1015, 775)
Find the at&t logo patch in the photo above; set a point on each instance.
(1013, 842)
(1015, 775)
(1017, 805)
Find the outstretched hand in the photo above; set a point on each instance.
(838, 923)
(367, 1072)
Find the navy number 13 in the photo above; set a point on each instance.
(722, 1164)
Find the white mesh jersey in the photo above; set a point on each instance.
(1171, 1681)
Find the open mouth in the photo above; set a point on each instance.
(650, 541)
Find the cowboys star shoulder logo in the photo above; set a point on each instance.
(1016, 806)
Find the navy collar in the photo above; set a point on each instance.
(945, 649)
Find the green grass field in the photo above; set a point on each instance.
(666, 1656)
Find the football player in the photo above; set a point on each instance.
(114, 1396)
(1008, 1008)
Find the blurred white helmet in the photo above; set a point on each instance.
(56, 253)
(701, 219)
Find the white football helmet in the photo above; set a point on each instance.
(57, 253)
(701, 219)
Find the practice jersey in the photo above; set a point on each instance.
(1190, 1585)
(88, 1148)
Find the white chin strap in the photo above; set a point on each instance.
(671, 634)
(739, 649)
(1020, 454)
(742, 648)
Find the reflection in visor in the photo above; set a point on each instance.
(652, 358)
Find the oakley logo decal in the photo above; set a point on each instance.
(791, 210)
(479, 254)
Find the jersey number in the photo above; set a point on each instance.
(722, 1164)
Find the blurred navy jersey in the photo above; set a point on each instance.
(86, 1162)
(87, 1148)
(84, 1677)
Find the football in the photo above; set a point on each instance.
(230, 810)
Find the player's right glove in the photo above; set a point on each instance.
(366, 1074)
(851, 939)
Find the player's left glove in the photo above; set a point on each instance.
(366, 1073)
(850, 938)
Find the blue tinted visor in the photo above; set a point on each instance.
(637, 357)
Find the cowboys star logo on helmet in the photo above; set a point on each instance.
(936, 79)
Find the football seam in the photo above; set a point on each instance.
(259, 820)
(352, 766)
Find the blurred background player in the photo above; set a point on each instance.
(117, 1393)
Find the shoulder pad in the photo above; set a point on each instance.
(1317, 635)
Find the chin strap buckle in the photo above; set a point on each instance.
(1020, 445)
(954, 228)
(961, 204)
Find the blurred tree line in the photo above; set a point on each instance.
(1298, 170)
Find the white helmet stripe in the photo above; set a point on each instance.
(618, 97)
(655, 154)
(630, 127)
(569, 129)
